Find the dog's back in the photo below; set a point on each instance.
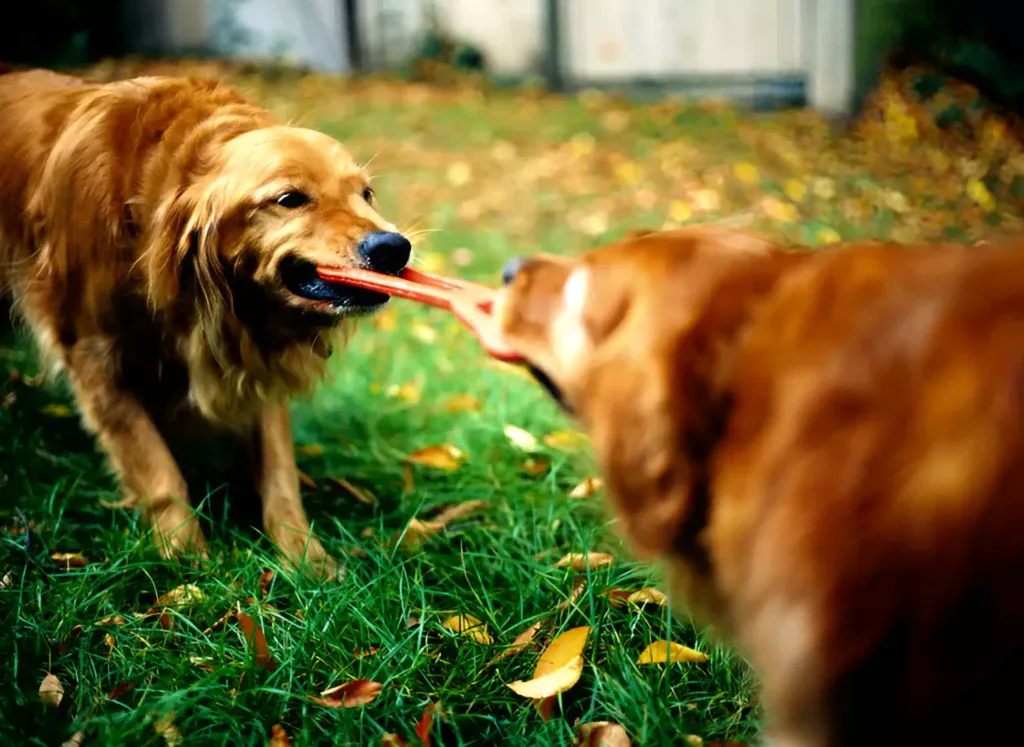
(868, 518)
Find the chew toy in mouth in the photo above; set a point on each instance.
(471, 303)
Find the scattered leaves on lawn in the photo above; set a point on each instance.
(586, 489)
(419, 531)
(461, 403)
(265, 579)
(648, 595)
(661, 652)
(359, 654)
(180, 596)
(566, 440)
(581, 561)
(164, 726)
(69, 560)
(349, 694)
(578, 587)
(442, 456)
(521, 641)
(56, 411)
(360, 494)
(257, 641)
(311, 450)
(618, 597)
(51, 691)
(112, 620)
(559, 668)
(521, 439)
(602, 734)
(279, 737)
(426, 722)
(470, 627)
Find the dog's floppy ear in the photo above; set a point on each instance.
(183, 249)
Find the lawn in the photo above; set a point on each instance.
(476, 176)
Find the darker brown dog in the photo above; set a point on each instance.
(826, 446)
(161, 237)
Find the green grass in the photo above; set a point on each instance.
(527, 190)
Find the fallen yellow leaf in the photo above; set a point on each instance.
(566, 440)
(311, 450)
(279, 737)
(51, 691)
(179, 596)
(348, 695)
(795, 190)
(70, 559)
(164, 726)
(559, 668)
(521, 439)
(457, 511)
(581, 562)
(521, 641)
(746, 173)
(679, 211)
(586, 488)
(661, 652)
(648, 596)
(461, 403)
(602, 734)
(56, 411)
(468, 626)
(978, 192)
(443, 456)
(424, 333)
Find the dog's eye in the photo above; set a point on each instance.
(368, 194)
(292, 200)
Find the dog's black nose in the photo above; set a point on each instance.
(511, 269)
(386, 252)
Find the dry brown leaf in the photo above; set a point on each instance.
(545, 706)
(581, 562)
(7, 581)
(521, 439)
(69, 560)
(164, 726)
(109, 642)
(648, 595)
(521, 641)
(470, 627)
(461, 403)
(586, 489)
(566, 440)
(279, 737)
(618, 597)
(442, 456)
(112, 620)
(311, 449)
(368, 652)
(578, 587)
(361, 495)
(661, 652)
(457, 511)
(535, 466)
(559, 668)
(416, 533)
(75, 740)
(202, 662)
(602, 734)
(424, 725)
(180, 596)
(349, 694)
(265, 579)
(51, 691)
(257, 641)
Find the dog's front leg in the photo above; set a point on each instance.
(284, 519)
(150, 478)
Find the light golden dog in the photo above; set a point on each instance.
(161, 238)
(826, 447)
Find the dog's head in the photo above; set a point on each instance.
(260, 212)
(633, 340)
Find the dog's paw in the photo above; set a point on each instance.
(177, 532)
(303, 552)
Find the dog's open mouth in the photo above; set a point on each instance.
(301, 279)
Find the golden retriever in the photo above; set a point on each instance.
(160, 237)
(826, 447)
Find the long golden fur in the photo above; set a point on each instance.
(160, 238)
(826, 447)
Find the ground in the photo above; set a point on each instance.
(139, 646)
